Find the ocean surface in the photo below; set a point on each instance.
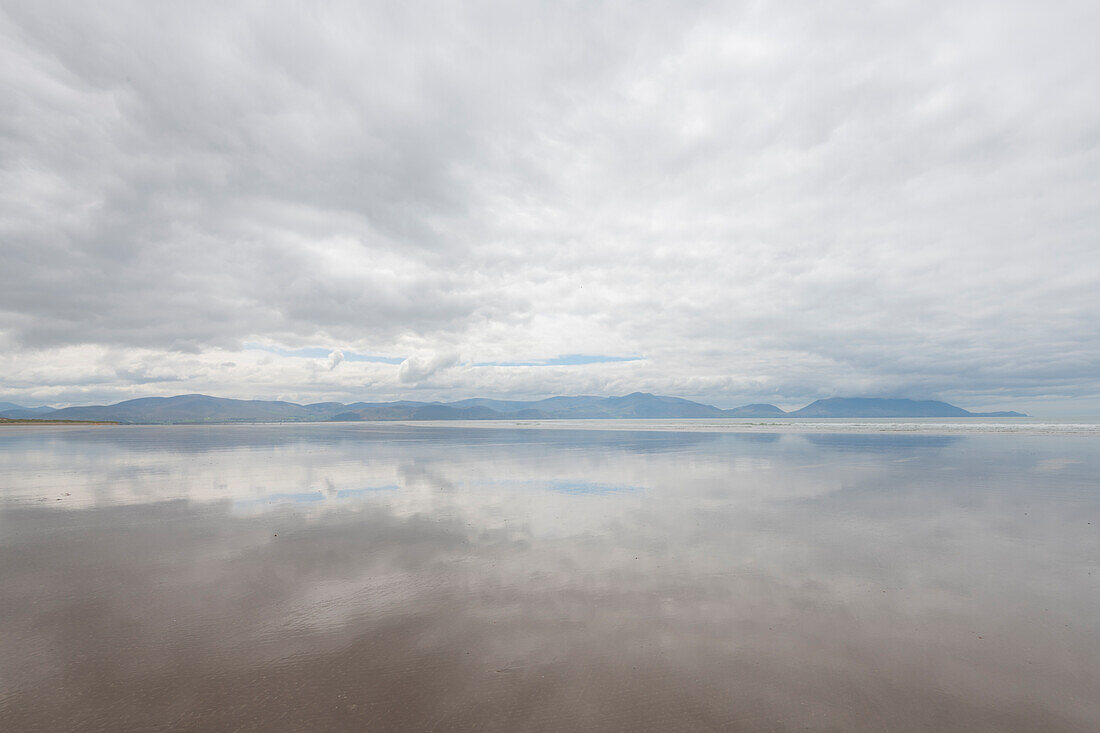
(894, 575)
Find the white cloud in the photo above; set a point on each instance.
(773, 202)
(417, 369)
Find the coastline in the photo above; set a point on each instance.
(893, 426)
(28, 421)
(956, 426)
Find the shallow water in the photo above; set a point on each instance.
(381, 577)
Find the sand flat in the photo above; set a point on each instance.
(351, 577)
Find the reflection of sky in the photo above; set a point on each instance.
(309, 497)
(587, 487)
(929, 562)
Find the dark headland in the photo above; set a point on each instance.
(197, 408)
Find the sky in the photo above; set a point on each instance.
(732, 202)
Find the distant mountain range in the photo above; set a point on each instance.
(197, 408)
(10, 406)
(877, 407)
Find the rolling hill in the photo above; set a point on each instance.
(878, 407)
(197, 408)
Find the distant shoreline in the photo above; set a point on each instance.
(31, 421)
(957, 427)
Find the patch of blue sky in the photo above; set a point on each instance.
(564, 360)
(320, 353)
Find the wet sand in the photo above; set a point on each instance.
(418, 578)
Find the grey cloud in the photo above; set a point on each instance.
(792, 201)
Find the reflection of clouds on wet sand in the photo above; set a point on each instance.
(550, 582)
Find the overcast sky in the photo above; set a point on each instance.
(732, 202)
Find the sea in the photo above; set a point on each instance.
(627, 575)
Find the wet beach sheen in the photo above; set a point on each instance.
(403, 577)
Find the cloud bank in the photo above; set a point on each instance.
(760, 202)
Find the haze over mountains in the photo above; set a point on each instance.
(197, 408)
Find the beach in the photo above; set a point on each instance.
(492, 577)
